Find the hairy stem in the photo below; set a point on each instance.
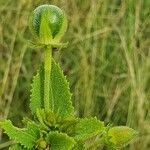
(47, 79)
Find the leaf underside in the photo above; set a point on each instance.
(60, 92)
(121, 135)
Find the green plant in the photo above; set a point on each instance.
(55, 126)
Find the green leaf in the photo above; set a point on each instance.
(67, 125)
(60, 141)
(60, 90)
(121, 135)
(37, 92)
(33, 129)
(87, 128)
(26, 137)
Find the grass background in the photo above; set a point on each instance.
(107, 61)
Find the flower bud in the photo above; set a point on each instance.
(48, 23)
(41, 144)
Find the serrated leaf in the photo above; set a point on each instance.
(25, 136)
(87, 128)
(60, 141)
(60, 90)
(33, 129)
(121, 135)
(37, 92)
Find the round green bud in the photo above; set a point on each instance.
(41, 144)
(48, 23)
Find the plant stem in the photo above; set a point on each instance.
(47, 78)
(6, 144)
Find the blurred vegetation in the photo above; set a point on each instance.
(107, 61)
